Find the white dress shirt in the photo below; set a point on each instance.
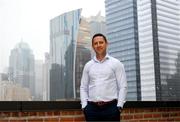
(103, 81)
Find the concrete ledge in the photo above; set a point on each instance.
(25, 106)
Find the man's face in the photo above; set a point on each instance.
(99, 45)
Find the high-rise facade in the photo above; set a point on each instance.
(145, 36)
(159, 47)
(21, 66)
(69, 41)
(39, 80)
(97, 24)
(46, 83)
(83, 53)
(122, 32)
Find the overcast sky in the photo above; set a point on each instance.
(28, 20)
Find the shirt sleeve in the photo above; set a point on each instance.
(84, 87)
(122, 84)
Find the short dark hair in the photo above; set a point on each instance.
(99, 34)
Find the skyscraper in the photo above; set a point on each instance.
(83, 53)
(69, 40)
(97, 24)
(39, 80)
(144, 35)
(122, 32)
(159, 47)
(21, 66)
(46, 83)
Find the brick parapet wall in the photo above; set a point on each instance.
(128, 115)
(151, 115)
(51, 116)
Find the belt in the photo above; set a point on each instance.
(102, 103)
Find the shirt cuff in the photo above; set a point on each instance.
(120, 104)
(84, 104)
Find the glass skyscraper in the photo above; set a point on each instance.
(69, 51)
(122, 32)
(145, 36)
(21, 66)
(159, 46)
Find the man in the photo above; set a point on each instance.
(103, 85)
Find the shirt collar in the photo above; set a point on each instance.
(105, 58)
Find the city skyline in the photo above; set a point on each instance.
(62, 55)
(28, 21)
(148, 48)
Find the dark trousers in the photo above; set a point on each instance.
(108, 112)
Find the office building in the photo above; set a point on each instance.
(83, 53)
(122, 32)
(39, 80)
(21, 66)
(159, 48)
(144, 35)
(97, 24)
(69, 40)
(46, 83)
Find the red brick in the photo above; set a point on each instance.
(66, 119)
(35, 120)
(17, 120)
(14, 114)
(79, 119)
(177, 119)
(64, 113)
(170, 119)
(67, 113)
(155, 109)
(175, 109)
(152, 121)
(148, 110)
(156, 115)
(49, 113)
(70, 112)
(162, 120)
(3, 120)
(125, 110)
(51, 120)
(57, 113)
(33, 113)
(5, 114)
(143, 120)
(133, 121)
(78, 113)
(132, 110)
(138, 116)
(24, 114)
(139, 110)
(41, 113)
(147, 115)
(127, 117)
(165, 114)
(173, 114)
(163, 109)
